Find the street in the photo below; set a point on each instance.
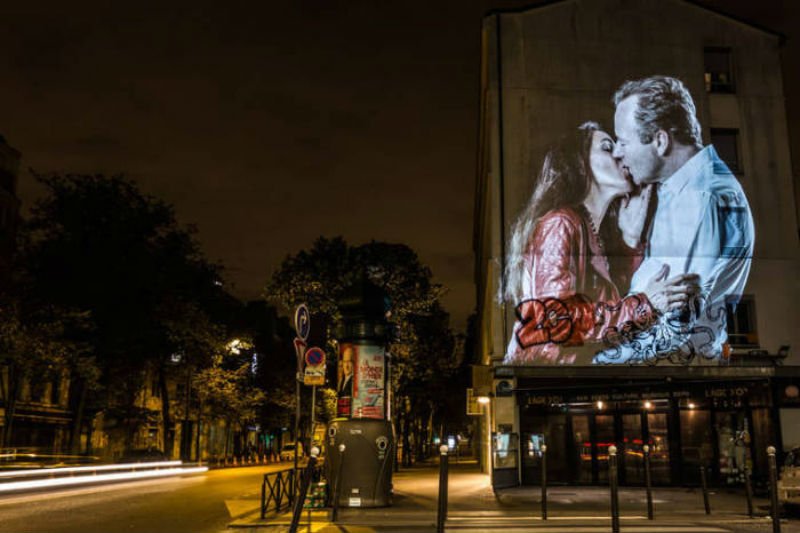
(208, 503)
(196, 504)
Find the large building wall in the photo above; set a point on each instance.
(550, 68)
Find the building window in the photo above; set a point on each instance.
(38, 390)
(718, 70)
(55, 391)
(726, 142)
(742, 330)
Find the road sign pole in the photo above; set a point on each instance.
(313, 411)
(296, 425)
(302, 326)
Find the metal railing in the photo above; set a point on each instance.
(305, 477)
(277, 491)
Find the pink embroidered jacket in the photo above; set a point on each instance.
(571, 303)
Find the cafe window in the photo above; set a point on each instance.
(726, 143)
(718, 70)
(741, 317)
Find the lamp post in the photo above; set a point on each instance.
(612, 478)
(486, 464)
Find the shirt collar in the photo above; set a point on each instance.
(691, 169)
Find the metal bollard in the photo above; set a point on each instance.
(301, 496)
(704, 483)
(648, 485)
(748, 490)
(264, 497)
(773, 491)
(544, 482)
(441, 516)
(612, 481)
(337, 489)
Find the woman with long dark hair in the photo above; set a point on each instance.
(559, 272)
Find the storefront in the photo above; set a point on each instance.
(720, 418)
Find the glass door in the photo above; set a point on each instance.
(549, 429)
(582, 440)
(604, 439)
(696, 443)
(730, 426)
(630, 451)
(658, 439)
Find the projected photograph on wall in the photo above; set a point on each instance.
(635, 242)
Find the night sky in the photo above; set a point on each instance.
(268, 125)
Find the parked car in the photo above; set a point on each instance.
(287, 452)
(789, 482)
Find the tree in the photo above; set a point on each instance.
(98, 244)
(227, 391)
(35, 343)
(426, 384)
(422, 343)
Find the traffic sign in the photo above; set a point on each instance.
(299, 350)
(302, 321)
(315, 356)
(473, 407)
(314, 375)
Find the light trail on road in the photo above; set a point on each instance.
(198, 503)
(31, 472)
(102, 478)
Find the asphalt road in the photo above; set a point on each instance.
(203, 503)
(207, 503)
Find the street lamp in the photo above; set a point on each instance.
(234, 346)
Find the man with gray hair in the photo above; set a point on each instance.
(699, 222)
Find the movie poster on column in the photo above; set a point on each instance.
(370, 383)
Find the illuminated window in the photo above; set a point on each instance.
(726, 142)
(742, 329)
(718, 70)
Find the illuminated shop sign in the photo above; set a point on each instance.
(718, 396)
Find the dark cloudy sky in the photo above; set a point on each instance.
(268, 124)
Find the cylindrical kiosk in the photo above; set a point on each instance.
(362, 424)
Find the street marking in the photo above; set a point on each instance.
(549, 518)
(601, 529)
(241, 507)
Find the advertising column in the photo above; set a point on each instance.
(362, 424)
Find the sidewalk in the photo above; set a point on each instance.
(474, 506)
